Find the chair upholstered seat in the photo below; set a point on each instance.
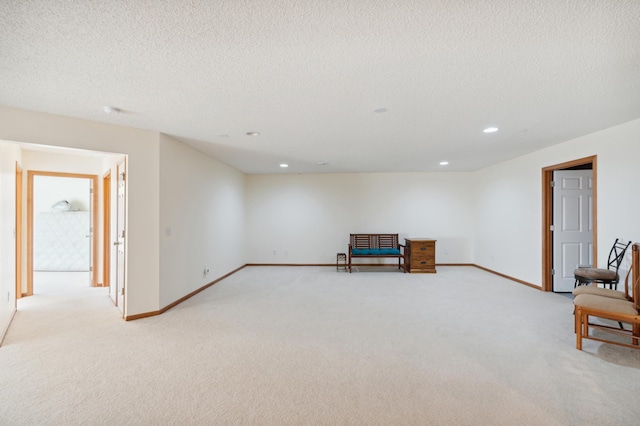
(593, 274)
(599, 291)
(607, 304)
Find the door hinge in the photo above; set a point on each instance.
(553, 271)
(552, 228)
(552, 183)
(122, 291)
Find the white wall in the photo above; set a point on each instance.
(308, 218)
(508, 200)
(141, 146)
(201, 220)
(49, 190)
(9, 154)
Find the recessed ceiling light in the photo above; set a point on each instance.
(253, 133)
(490, 130)
(284, 166)
(444, 163)
(110, 109)
(322, 163)
(380, 110)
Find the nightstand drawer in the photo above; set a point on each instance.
(423, 257)
(423, 246)
(418, 264)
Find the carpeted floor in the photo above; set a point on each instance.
(309, 345)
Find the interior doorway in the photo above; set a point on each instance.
(552, 261)
(63, 228)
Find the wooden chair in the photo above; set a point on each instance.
(611, 308)
(606, 277)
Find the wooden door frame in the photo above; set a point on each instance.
(547, 215)
(106, 229)
(19, 197)
(94, 200)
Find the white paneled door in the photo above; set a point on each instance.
(572, 225)
(120, 292)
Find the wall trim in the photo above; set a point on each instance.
(528, 284)
(353, 264)
(292, 264)
(6, 328)
(182, 299)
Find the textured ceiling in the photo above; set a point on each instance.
(308, 75)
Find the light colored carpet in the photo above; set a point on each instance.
(309, 345)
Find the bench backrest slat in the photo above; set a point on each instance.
(361, 240)
(387, 240)
(373, 241)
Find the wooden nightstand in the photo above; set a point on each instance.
(420, 255)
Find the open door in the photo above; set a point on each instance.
(572, 225)
(91, 235)
(106, 229)
(119, 294)
(18, 231)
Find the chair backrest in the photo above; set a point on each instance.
(616, 255)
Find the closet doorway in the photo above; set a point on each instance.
(61, 225)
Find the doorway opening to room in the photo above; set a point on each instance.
(569, 224)
(62, 238)
(74, 186)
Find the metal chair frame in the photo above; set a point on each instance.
(616, 255)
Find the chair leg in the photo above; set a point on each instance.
(578, 322)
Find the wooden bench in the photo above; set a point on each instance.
(376, 246)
